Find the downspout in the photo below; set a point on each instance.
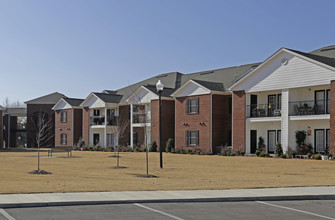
(211, 125)
(131, 127)
(232, 120)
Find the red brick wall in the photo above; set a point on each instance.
(186, 122)
(140, 136)
(77, 125)
(124, 114)
(1, 130)
(239, 117)
(86, 126)
(63, 128)
(168, 119)
(221, 120)
(46, 108)
(332, 117)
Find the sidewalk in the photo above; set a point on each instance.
(89, 198)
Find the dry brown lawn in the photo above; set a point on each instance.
(92, 171)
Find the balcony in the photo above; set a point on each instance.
(263, 110)
(314, 107)
(100, 120)
(141, 118)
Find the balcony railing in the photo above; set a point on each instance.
(314, 107)
(141, 118)
(263, 110)
(100, 120)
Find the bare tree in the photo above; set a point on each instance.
(40, 134)
(12, 104)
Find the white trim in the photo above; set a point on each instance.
(309, 117)
(135, 95)
(211, 124)
(263, 119)
(186, 84)
(83, 104)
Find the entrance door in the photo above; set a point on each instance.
(319, 141)
(253, 141)
(253, 103)
(271, 104)
(328, 101)
(96, 139)
(320, 102)
(271, 141)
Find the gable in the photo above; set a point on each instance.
(142, 95)
(62, 105)
(93, 102)
(276, 73)
(191, 89)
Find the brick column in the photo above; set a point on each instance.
(1, 130)
(239, 117)
(86, 126)
(332, 118)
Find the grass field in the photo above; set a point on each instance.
(92, 171)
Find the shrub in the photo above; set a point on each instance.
(219, 154)
(317, 157)
(258, 153)
(278, 149)
(261, 145)
(283, 156)
(267, 154)
(81, 142)
(225, 151)
(198, 151)
(242, 153)
(181, 151)
(232, 154)
(153, 147)
(290, 153)
(228, 154)
(309, 155)
(262, 154)
(305, 149)
(169, 145)
(190, 151)
(300, 137)
(173, 150)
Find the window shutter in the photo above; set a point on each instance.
(65, 141)
(186, 138)
(65, 114)
(197, 105)
(187, 106)
(197, 138)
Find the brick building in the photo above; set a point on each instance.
(42, 104)
(68, 121)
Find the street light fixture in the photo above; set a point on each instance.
(160, 87)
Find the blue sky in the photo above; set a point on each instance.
(79, 46)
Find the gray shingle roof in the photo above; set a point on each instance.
(214, 86)
(109, 98)
(20, 112)
(326, 60)
(52, 98)
(165, 93)
(74, 102)
(328, 51)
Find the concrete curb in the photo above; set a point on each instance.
(130, 201)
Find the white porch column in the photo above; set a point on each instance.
(285, 119)
(105, 131)
(131, 127)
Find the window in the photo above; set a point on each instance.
(96, 112)
(319, 141)
(192, 106)
(192, 138)
(63, 116)
(271, 140)
(63, 139)
(135, 138)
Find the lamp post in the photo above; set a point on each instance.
(160, 87)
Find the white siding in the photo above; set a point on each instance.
(298, 72)
(191, 89)
(62, 105)
(141, 96)
(285, 122)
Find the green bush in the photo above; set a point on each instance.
(317, 157)
(228, 154)
(169, 145)
(153, 147)
(261, 145)
(290, 153)
(300, 137)
(267, 154)
(283, 156)
(198, 151)
(190, 151)
(262, 154)
(219, 154)
(278, 149)
(242, 153)
(309, 155)
(173, 150)
(232, 154)
(181, 151)
(258, 153)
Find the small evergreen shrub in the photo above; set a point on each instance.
(267, 154)
(242, 153)
(309, 155)
(262, 154)
(232, 154)
(169, 145)
(190, 151)
(258, 153)
(173, 150)
(153, 147)
(278, 149)
(283, 156)
(317, 157)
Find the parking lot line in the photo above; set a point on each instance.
(8, 216)
(160, 212)
(296, 210)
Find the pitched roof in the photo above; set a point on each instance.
(52, 98)
(328, 51)
(109, 98)
(322, 59)
(20, 112)
(214, 86)
(165, 93)
(73, 102)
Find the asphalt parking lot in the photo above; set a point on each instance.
(308, 209)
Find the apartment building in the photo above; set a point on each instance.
(68, 121)
(290, 91)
